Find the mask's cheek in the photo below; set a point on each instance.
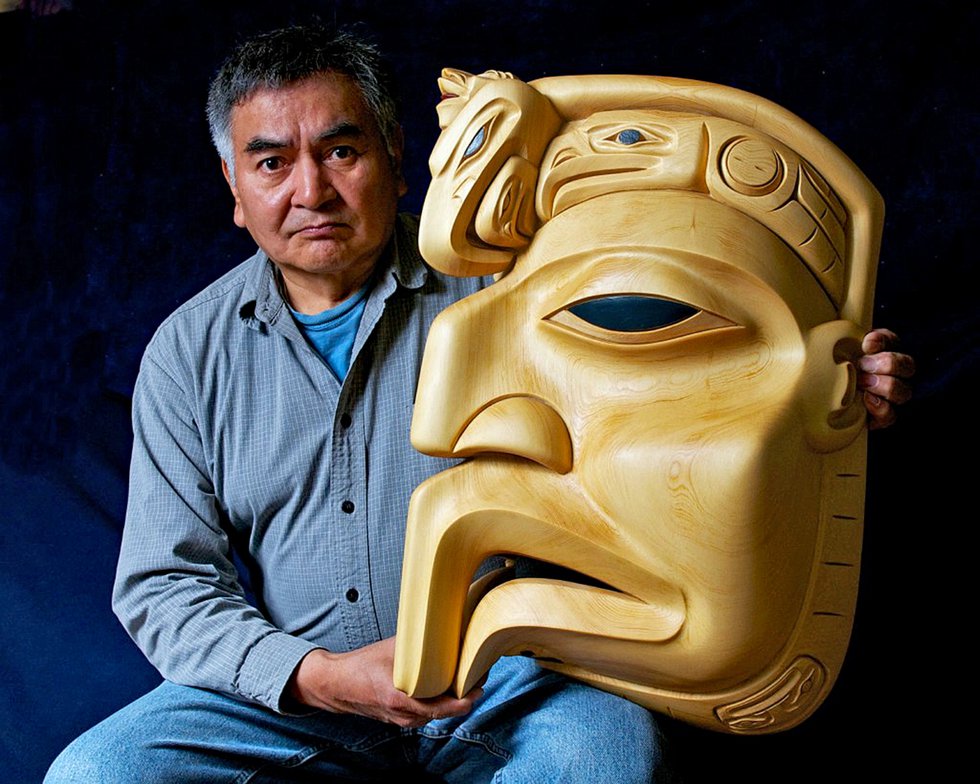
(728, 513)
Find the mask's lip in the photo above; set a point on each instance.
(559, 620)
(454, 92)
(519, 566)
(452, 81)
(501, 504)
(513, 568)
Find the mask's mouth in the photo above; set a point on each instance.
(513, 566)
(584, 598)
(452, 84)
(454, 92)
(555, 615)
(456, 87)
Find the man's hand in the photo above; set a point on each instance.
(883, 377)
(361, 682)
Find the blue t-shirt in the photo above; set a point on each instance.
(332, 332)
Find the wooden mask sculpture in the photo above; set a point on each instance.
(657, 393)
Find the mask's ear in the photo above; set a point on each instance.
(239, 215)
(833, 408)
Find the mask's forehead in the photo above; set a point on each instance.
(766, 160)
(733, 164)
(622, 150)
(680, 245)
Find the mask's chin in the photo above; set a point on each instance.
(681, 644)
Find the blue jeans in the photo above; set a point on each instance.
(531, 726)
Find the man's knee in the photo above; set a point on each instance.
(585, 735)
(615, 740)
(132, 745)
(87, 760)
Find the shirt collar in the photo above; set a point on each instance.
(401, 265)
(408, 267)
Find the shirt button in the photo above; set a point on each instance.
(345, 420)
(352, 594)
(347, 506)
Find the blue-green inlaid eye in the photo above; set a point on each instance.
(476, 143)
(629, 136)
(631, 312)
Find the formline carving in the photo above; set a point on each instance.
(657, 395)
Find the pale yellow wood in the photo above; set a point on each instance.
(469, 234)
(530, 428)
(706, 475)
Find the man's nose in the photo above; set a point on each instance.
(313, 184)
(468, 403)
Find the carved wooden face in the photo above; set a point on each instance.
(645, 395)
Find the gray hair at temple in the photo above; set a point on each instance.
(281, 57)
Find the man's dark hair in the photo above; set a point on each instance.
(281, 57)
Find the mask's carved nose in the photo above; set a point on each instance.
(523, 426)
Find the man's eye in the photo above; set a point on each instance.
(343, 153)
(271, 164)
(636, 318)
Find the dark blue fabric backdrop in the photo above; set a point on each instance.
(113, 211)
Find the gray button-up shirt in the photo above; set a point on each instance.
(245, 439)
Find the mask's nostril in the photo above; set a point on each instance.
(523, 426)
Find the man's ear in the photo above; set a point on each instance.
(398, 148)
(833, 409)
(239, 214)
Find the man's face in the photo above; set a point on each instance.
(315, 185)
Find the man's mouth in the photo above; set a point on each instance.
(325, 230)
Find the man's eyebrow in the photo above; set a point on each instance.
(341, 129)
(258, 144)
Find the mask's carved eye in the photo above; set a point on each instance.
(636, 318)
(626, 313)
(629, 136)
(646, 138)
(475, 143)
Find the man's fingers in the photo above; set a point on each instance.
(445, 706)
(879, 340)
(881, 412)
(883, 377)
(888, 388)
(411, 712)
(889, 363)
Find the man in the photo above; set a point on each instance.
(271, 416)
